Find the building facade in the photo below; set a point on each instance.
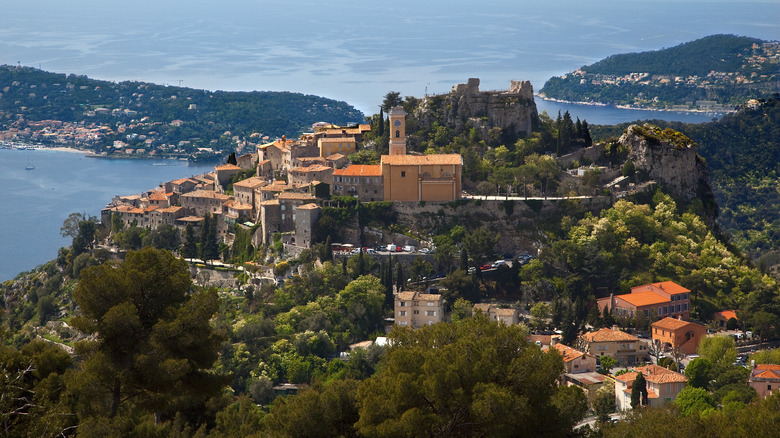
(359, 180)
(662, 299)
(416, 309)
(678, 334)
(663, 386)
(625, 348)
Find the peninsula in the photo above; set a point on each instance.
(712, 74)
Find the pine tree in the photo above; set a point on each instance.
(189, 249)
(586, 134)
(639, 391)
(381, 122)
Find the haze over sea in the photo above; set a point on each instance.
(348, 50)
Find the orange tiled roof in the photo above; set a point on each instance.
(609, 335)
(359, 170)
(206, 194)
(628, 377)
(658, 374)
(338, 140)
(295, 196)
(568, 353)
(190, 219)
(250, 183)
(183, 180)
(727, 314)
(506, 312)
(227, 167)
(766, 374)
(334, 157)
(310, 206)
(671, 287)
(416, 160)
(645, 298)
(159, 195)
(310, 169)
(671, 323)
(173, 209)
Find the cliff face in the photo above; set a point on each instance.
(670, 158)
(514, 110)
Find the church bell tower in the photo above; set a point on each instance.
(397, 131)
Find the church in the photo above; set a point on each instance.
(402, 177)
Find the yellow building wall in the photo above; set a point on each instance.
(398, 187)
(330, 148)
(427, 182)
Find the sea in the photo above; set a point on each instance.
(35, 203)
(350, 50)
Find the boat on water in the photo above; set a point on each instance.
(29, 167)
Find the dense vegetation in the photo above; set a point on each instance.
(205, 115)
(743, 155)
(731, 57)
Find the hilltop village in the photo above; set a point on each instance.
(282, 182)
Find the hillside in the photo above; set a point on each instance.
(743, 156)
(712, 73)
(52, 108)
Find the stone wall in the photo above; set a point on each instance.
(518, 222)
(514, 110)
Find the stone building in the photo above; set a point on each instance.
(307, 216)
(201, 202)
(663, 386)
(362, 181)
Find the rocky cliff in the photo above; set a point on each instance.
(513, 111)
(670, 158)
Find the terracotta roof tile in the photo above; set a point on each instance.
(338, 140)
(568, 353)
(359, 170)
(658, 374)
(645, 298)
(415, 160)
(227, 167)
(295, 196)
(250, 183)
(727, 314)
(609, 335)
(671, 323)
(310, 206)
(671, 287)
(628, 377)
(206, 194)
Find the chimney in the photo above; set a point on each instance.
(753, 364)
(615, 327)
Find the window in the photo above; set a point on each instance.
(416, 312)
(402, 313)
(402, 304)
(401, 322)
(397, 133)
(768, 387)
(431, 303)
(685, 306)
(403, 174)
(430, 313)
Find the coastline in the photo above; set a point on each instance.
(628, 107)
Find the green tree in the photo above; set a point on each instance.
(209, 246)
(152, 344)
(721, 351)
(692, 400)
(639, 391)
(392, 98)
(189, 249)
(472, 378)
(698, 372)
(604, 401)
(320, 411)
(607, 363)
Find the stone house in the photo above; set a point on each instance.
(307, 175)
(625, 348)
(244, 190)
(223, 174)
(307, 216)
(765, 378)
(678, 334)
(362, 181)
(201, 202)
(180, 186)
(663, 386)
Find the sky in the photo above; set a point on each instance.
(354, 50)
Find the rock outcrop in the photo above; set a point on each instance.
(513, 111)
(669, 158)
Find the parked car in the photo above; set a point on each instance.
(424, 250)
(409, 248)
(498, 263)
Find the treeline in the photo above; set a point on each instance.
(40, 95)
(721, 53)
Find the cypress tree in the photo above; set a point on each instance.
(381, 128)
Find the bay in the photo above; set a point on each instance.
(34, 203)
